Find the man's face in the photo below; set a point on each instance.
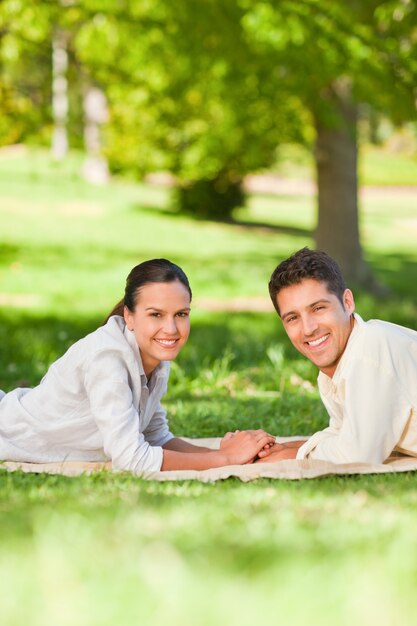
(316, 322)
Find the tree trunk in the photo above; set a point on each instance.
(336, 162)
(95, 168)
(59, 95)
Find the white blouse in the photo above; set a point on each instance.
(371, 399)
(93, 404)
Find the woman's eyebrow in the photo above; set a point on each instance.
(155, 308)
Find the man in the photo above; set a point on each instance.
(368, 370)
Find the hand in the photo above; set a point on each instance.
(244, 446)
(227, 437)
(281, 452)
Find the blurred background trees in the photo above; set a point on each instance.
(208, 91)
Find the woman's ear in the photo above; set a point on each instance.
(128, 318)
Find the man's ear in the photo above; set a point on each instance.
(349, 301)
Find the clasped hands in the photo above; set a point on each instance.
(258, 446)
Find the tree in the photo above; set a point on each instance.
(336, 55)
(46, 91)
(59, 93)
(210, 94)
(25, 78)
(186, 96)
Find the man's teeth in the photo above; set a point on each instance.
(317, 342)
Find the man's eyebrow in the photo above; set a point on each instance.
(287, 314)
(309, 306)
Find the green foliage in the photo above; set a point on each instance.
(210, 94)
(210, 199)
(366, 44)
(25, 78)
(218, 90)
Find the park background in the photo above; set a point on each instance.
(224, 136)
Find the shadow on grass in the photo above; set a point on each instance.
(265, 227)
(30, 343)
(208, 388)
(398, 271)
(8, 253)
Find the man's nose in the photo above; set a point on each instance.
(310, 325)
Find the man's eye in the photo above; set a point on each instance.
(155, 314)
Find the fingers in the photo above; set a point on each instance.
(227, 437)
(260, 437)
(264, 452)
(244, 446)
(265, 442)
(259, 432)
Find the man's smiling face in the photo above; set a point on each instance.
(316, 322)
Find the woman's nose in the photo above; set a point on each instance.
(170, 325)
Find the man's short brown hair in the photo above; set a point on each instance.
(307, 264)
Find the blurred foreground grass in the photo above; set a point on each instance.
(115, 549)
(112, 549)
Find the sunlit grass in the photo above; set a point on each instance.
(110, 548)
(385, 167)
(378, 165)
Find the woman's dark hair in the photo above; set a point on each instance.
(153, 271)
(306, 264)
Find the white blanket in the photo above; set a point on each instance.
(287, 470)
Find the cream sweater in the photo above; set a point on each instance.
(371, 399)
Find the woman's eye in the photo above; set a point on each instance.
(183, 314)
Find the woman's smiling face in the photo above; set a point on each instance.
(160, 322)
(316, 321)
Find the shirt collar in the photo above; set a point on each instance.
(325, 382)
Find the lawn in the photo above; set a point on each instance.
(112, 549)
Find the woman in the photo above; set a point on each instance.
(101, 399)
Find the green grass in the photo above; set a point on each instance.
(109, 548)
(115, 549)
(382, 167)
(377, 166)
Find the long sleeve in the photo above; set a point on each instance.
(111, 404)
(157, 432)
(369, 421)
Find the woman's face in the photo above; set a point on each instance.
(160, 322)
